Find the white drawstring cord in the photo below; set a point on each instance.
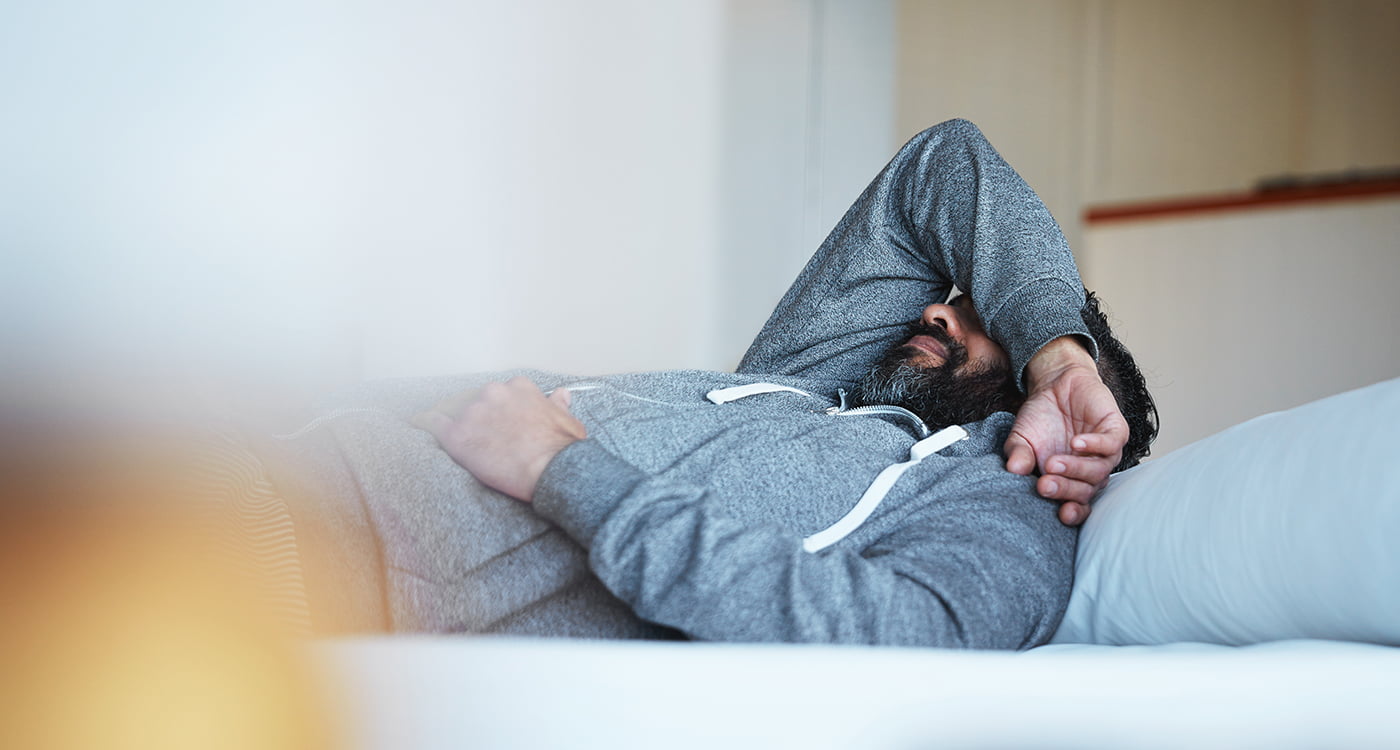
(878, 489)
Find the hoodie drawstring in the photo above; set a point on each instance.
(885, 480)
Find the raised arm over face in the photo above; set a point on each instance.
(948, 210)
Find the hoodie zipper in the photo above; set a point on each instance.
(841, 410)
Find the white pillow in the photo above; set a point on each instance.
(1286, 526)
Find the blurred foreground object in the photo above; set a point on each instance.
(126, 625)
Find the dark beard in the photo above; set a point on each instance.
(940, 395)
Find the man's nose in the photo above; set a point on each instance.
(945, 316)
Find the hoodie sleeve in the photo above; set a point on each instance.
(972, 579)
(947, 210)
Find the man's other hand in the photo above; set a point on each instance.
(505, 434)
(1069, 428)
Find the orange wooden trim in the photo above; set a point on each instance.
(1265, 198)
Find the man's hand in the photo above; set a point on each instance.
(505, 434)
(1069, 427)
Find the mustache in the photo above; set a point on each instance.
(957, 353)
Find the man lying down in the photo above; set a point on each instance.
(866, 476)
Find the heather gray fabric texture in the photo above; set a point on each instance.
(681, 518)
(946, 210)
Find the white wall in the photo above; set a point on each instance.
(809, 87)
(1239, 313)
(541, 185)
(315, 192)
(174, 189)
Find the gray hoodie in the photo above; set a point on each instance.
(681, 517)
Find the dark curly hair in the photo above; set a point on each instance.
(1123, 378)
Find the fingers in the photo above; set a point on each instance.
(1073, 496)
(561, 397)
(1020, 457)
(1074, 481)
(438, 419)
(1097, 443)
(1074, 514)
(1092, 470)
(444, 413)
(1063, 489)
(454, 404)
(432, 421)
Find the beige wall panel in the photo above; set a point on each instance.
(1017, 69)
(1352, 80)
(1200, 96)
(1237, 314)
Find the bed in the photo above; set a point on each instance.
(435, 692)
(1243, 591)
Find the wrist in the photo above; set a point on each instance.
(1057, 356)
(536, 468)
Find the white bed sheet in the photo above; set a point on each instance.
(482, 692)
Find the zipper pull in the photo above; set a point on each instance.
(840, 394)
